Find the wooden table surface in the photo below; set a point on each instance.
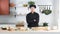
(34, 29)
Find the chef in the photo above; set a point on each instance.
(32, 18)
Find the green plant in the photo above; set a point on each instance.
(45, 24)
(25, 5)
(31, 3)
(47, 12)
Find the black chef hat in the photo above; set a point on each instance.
(32, 6)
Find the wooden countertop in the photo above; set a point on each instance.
(34, 29)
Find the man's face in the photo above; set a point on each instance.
(32, 9)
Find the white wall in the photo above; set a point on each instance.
(59, 16)
(56, 11)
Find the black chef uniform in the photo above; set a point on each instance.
(30, 19)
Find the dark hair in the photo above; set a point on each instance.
(32, 6)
